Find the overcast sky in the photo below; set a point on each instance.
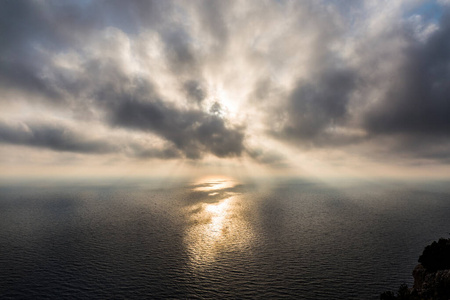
(316, 87)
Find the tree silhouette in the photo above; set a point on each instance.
(436, 256)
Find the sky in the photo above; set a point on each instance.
(165, 88)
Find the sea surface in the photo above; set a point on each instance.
(215, 238)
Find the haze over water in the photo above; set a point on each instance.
(248, 89)
(215, 237)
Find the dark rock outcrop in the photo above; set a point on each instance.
(431, 276)
(431, 284)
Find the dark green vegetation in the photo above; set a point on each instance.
(402, 293)
(436, 256)
(431, 276)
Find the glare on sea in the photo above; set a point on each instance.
(216, 221)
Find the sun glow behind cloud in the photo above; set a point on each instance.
(245, 88)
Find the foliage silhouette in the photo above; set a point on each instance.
(436, 256)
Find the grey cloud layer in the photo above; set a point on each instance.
(192, 131)
(60, 137)
(418, 100)
(308, 91)
(395, 90)
(53, 137)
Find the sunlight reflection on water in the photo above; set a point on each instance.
(216, 222)
(214, 184)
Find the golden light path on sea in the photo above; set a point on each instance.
(216, 221)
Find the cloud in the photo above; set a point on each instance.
(63, 138)
(317, 105)
(270, 158)
(194, 91)
(192, 131)
(103, 85)
(202, 78)
(394, 84)
(415, 103)
(53, 137)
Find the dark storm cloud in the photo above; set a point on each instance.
(135, 104)
(52, 137)
(192, 131)
(132, 16)
(271, 158)
(29, 29)
(181, 56)
(28, 25)
(22, 26)
(331, 102)
(418, 101)
(318, 104)
(413, 107)
(164, 153)
(413, 111)
(212, 17)
(194, 91)
(424, 147)
(59, 137)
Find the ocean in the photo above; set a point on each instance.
(215, 238)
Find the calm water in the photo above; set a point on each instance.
(215, 238)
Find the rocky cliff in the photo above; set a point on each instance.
(431, 284)
(431, 275)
